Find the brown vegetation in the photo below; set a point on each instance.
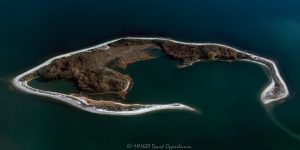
(95, 71)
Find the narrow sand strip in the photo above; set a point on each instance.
(81, 103)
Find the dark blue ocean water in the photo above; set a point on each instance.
(227, 93)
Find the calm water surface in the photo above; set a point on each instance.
(227, 94)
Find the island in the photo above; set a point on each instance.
(97, 70)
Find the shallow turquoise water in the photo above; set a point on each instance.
(226, 93)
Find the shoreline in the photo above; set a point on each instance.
(79, 102)
(255, 59)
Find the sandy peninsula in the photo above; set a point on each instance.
(96, 71)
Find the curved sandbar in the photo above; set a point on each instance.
(82, 68)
